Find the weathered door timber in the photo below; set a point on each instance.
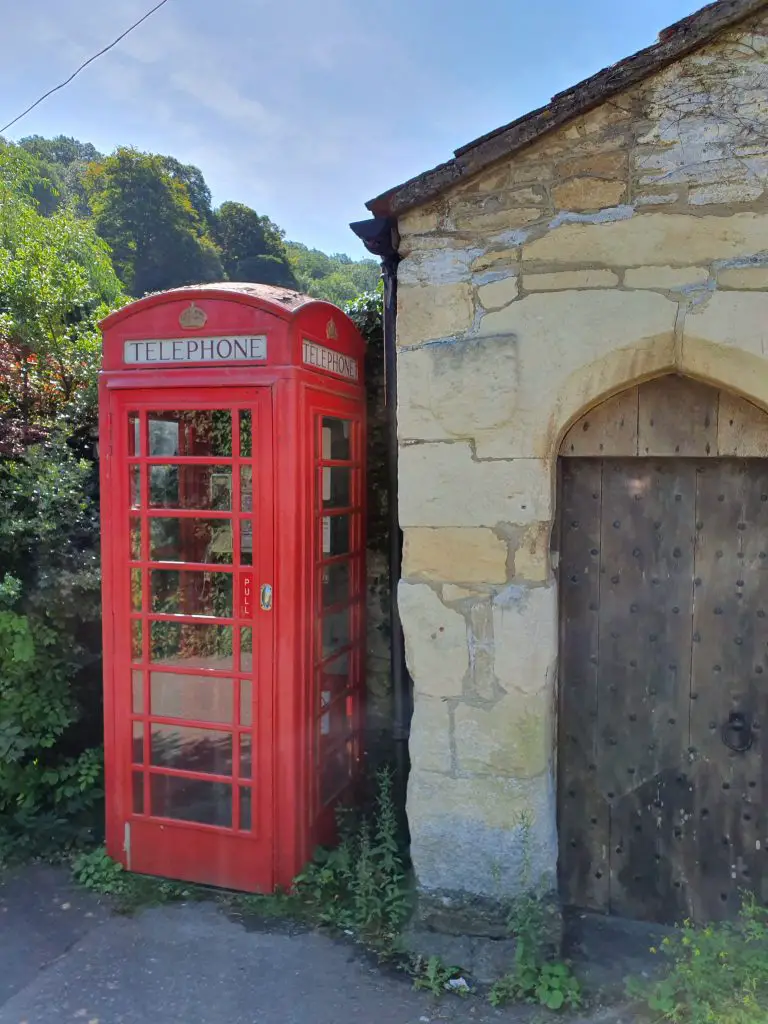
(664, 652)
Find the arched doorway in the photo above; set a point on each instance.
(663, 497)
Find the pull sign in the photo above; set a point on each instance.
(246, 595)
(265, 599)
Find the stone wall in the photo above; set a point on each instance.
(631, 243)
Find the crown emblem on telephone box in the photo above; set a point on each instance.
(193, 316)
(331, 331)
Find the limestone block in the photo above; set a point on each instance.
(456, 388)
(420, 221)
(442, 485)
(648, 237)
(597, 165)
(743, 278)
(476, 834)
(511, 737)
(498, 293)
(436, 260)
(734, 320)
(495, 221)
(425, 312)
(665, 277)
(588, 194)
(532, 556)
(594, 341)
(468, 555)
(429, 740)
(565, 279)
(726, 192)
(435, 641)
(525, 638)
(498, 260)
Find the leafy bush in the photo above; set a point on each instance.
(717, 974)
(50, 710)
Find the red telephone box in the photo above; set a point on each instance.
(232, 438)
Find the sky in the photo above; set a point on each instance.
(305, 109)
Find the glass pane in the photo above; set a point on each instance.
(246, 542)
(335, 772)
(199, 698)
(138, 792)
(246, 649)
(190, 540)
(209, 803)
(137, 652)
(245, 755)
(134, 436)
(135, 539)
(336, 583)
(335, 676)
(246, 489)
(245, 808)
(137, 745)
(246, 702)
(337, 486)
(135, 476)
(191, 645)
(191, 487)
(246, 434)
(191, 749)
(185, 432)
(336, 438)
(336, 535)
(336, 720)
(136, 589)
(191, 592)
(137, 686)
(337, 631)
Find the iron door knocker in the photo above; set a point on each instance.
(737, 732)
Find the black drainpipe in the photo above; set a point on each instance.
(379, 236)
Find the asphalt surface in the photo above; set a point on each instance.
(64, 957)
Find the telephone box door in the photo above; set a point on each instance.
(191, 567)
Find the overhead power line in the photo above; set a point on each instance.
(83, 66)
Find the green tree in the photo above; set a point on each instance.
(146, 215)
(252, 246)
(56, 280)
(62, 162)
(337, 278)
(192, 179)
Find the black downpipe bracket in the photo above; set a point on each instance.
(379, 236)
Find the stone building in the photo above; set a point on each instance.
(582, 368)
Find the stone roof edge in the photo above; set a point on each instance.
(679, 39)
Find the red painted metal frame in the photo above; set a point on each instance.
(288, 816)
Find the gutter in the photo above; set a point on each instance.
(380, 238)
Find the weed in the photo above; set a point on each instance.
(717, 974)
(96, 871)
(360, 885)
(435, 977)
(537, 976)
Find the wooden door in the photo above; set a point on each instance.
(664, 648)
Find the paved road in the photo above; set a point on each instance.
(64, 957)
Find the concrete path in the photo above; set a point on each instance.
(65, 958)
